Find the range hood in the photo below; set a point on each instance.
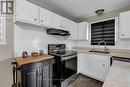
(58, 32)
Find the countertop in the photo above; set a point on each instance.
(113, 52)
(30, 59)
(119, 75)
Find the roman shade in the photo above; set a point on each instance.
(103, 31)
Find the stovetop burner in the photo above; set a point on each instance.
(66, 53)
(59, 50)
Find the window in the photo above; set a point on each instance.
(103, 31)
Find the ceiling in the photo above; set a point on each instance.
(82, 8)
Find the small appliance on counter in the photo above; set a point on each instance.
(65, 66)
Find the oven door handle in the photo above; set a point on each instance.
(68, 57)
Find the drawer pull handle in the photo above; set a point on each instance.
(41, 20)
(103, 64)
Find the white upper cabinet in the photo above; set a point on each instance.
(27, 12)
(125, 25)
(30, 13)
(83, 31)
(73, 30)
(60, 22)
(57, 21)
(65, 23)
(79, 31)
(46, 17)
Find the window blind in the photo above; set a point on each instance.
(103, 31)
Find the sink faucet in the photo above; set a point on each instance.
(102, 41)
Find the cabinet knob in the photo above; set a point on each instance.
(35, 19)
(41, 20)
(123, 35)
(103, 64)
(60, 26)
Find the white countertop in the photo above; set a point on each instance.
(115, 52)
(119, 75)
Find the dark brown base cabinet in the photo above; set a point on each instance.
(37, 74)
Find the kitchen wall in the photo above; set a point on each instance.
(33, 38)
(28, 37)
(120, 44)
(6, 53)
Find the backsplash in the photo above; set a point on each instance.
(33, 38)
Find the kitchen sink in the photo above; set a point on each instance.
(95, 51)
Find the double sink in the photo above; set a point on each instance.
(96, 51)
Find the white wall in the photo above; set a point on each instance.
(32, 38)
(6, 53)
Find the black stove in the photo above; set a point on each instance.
(65, 66)
(63, 54)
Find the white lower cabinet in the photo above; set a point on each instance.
(95, 66)
(82, 63)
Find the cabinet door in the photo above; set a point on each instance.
(73, 30)
(47, 76)
(124, 24)
(98, 66)
(83, 31)
(65, 23)
(29, 78)
(82, 63)
(46, 17)
(26, 11)
(57, 21)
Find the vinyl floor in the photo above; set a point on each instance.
(84, 81)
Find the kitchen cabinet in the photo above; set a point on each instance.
(98, 66)
(30, 78)
(37, 74)
(83, 31)
(26, 12)
(40, 16)
(79, 31)
(47, 82)
(95, 66)
(124, 19)
(60, 22)
(65, 23)
(46, 17)
(82, 63)
(73, 30)
(57, 21)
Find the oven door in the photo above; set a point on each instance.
(68, 66)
